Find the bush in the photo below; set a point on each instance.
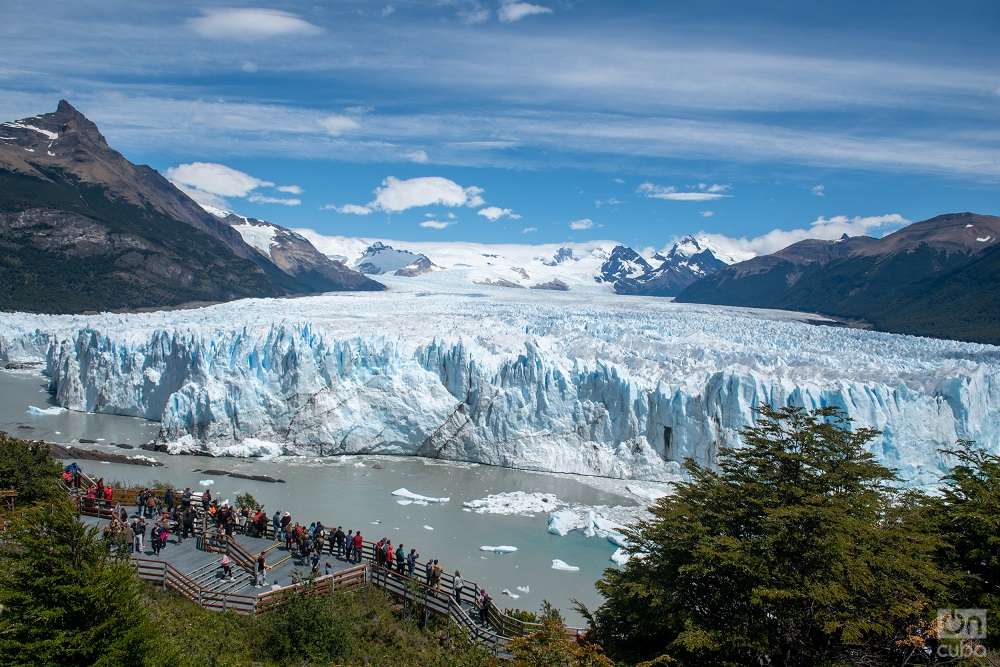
(306, 627)
(28, 468)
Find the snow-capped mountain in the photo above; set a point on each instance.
(689, 259)
(294, 254)
(623, 264)
(380, 258)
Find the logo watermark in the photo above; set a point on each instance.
(960, 631)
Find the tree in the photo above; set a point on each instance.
(64, 601)
(305, 627)
(551, 646)
(969, 524)
(798, 550)
(28, 468)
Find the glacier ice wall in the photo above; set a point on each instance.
(553, 386)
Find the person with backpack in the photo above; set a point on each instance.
(436, 572)
(349, 545)
(429, 570)
(411, 561)
(484, 607)
(338, 542)
(261, 569)
(138, 533)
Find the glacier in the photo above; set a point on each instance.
(578, 382)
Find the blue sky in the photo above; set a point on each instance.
(758, 123)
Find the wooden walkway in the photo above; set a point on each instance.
(192, 567)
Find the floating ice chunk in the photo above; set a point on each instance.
(502, 549)
(375, 522)
(620, 557)
(507, 592)
(524, 589)
(36, 411)
(206, 482)
(416, 497)
(563, 566)
(515, 502)
(404, 502)
(426, 527)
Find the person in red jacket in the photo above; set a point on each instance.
(108, 494)
(359, 543)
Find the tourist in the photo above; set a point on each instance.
(109, 495)
(186, 498)
(206, 499)
(168, 499)
(338, 542)
(99, 492)
(457, 584)
(484, 606)
(140, 501)
(349, 545)
(154, 538)
(378, 552)
(286, 520)
(436, 572)
(138, 532)
(276, 525)
(261, 569)
(151, 504)
(227, 567)
(187, 523)
(429, 570)
(400, 560)
(359, 545)
(314, 559)
(411, 561)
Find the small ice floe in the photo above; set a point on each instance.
(515, 502)
(417, 498)
(426, 527)
(36, 411)
(563, 566)
(512, 596)
(524, 589)
(620, 557)
(375, 522)
(206, 482)
(359, 464)
(404, 503)
(502, 549)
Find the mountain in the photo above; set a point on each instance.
(939, 278)
(294, 254)
(622, 264)
(82, 228)
(381, 258)
(688, 260)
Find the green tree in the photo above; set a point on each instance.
(305, 628)
(970, 529)
(551, 646)
(798, 550)
(64, 601)
(28, 468)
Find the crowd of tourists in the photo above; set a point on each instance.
(177, 515)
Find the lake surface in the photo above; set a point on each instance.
(356, 493)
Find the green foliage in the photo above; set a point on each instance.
(798, 550)
(28, 468)
(969, 524)
(551, 646)
(248, 501)
(307, 627)
(64, 601)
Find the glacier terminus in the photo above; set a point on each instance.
(581, 382)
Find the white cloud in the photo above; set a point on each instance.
(699, 192)
(215, 178)
(818, 190)
(388, 10)
(249, 67)
(264, 199)
(250, 23)
(349, 209)
(395, 195)
(419, 156)
(435, 224)
(821, 228)
(509, 12)
(529, 230)
(337, 124)
(581, 224)
(494, 213)
(610, 201)
(707, 214)
(620, 181)
(201, 197)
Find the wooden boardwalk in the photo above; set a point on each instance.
(192, 567)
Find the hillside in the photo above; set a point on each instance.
(938, 278)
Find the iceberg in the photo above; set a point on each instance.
(563, 566)
(36, 411)
(573, 382)
(416, 497)
(502, 549)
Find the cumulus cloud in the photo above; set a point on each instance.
(581, 224)
(349, 209)
(435, 224)
(395, 195)
(818, 190)
(829, 229)
(699, 192)
(494, 213)
(265, 199)
(209, 183)
(337, 124)
(511, 11)
(250, 23)
(529, 230)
